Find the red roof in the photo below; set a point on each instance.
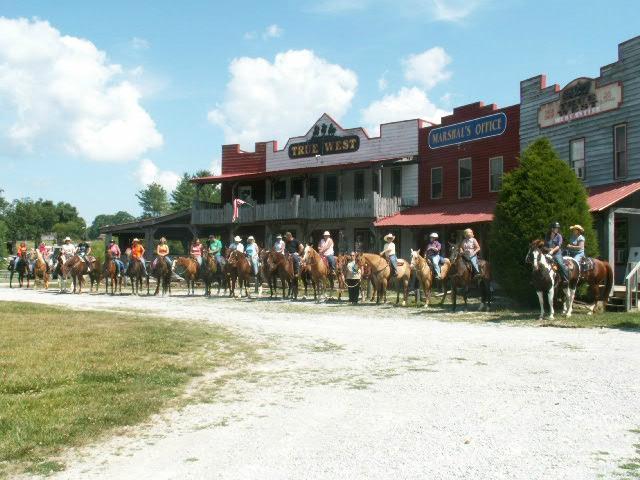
(603, 196)
(461, 213)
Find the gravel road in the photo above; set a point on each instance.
(381, 392)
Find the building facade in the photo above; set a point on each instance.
(594, 124)
(331, 178)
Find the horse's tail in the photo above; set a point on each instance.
(608, 283)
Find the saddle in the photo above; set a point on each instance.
(587, 264)
(326, 262)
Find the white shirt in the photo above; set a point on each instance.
(328, 244)
(279, 246)
(389, 249)
(240, 248)
(68, 250)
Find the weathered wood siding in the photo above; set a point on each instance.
(597, 130)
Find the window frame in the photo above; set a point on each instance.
(584, 156)
(616, 174)
(460, 197)
(394, 171)
(310, 193)
(501, 157)
(441, 183)
(283, 181)
(357, 194)
(326, 185)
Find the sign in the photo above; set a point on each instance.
(324, 142)
(469, 131)
(579, 99)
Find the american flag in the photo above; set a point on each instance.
(236, 208)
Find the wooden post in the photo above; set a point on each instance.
(379, 180)
(611, 222)
(148, 242)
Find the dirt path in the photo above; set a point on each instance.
(367, 392)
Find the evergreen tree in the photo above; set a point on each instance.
(185, 192)
(543, 189)
(153, 200)
(4, 233)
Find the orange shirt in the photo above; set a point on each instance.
(22, 250)
(137, 251)
(162, 250)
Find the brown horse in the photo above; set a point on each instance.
(341, 266)
(281, 267)
(266, 271)
(210, 273)
(189, 270)
(425, 275)
(95, 275)
(380, 275)
(135, 272)
(240, 272)
(22, 267)
(318, 270)
(600, 274)
(110, 270)
(76, 269)
(461, 276)
(161, 271)
(40, 271)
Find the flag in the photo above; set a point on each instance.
(236, 208)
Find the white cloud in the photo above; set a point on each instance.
(249, 35)
(138, 43)
(406, 104)
(453, 10)
(436, 10)
(60, 91)
(148, 172)
(216, 166)
(265, 100)
(273, 31)
(382, 82)
(427, 68)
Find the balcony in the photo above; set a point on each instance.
(374, 206)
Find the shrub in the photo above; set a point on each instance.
(543, 189)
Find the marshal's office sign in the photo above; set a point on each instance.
(469, 131)
(324, 142)
(579, 99)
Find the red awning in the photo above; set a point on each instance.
(453, 214)
(603, 196)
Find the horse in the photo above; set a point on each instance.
(161, 271)
(318, 270)
(380, 275)
(41, 271)
(95, 275)
(425, 275)
(543, 277)
(190, 271)
(21, 265)
(266, 271)
(240, 272)
(211, 273)
(135, 272)
(461, 276)
(62, 270)
(601, 273)
(281, 266)
(110, 270)
(341, 266)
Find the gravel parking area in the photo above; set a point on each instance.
(383, 392)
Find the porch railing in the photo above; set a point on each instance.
(631, 284)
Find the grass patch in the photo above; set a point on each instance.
(66, 377)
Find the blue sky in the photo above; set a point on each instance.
(97, 98)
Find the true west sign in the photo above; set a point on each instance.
(469, 131)
(324, 142)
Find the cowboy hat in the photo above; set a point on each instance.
(67, 239)
(250, 237)
(135, 240)
(433, 235)
(237, 238)
(278, 236)
(326, 233)
(577, 227)
(390, 235)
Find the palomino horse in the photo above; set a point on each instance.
(189, 270)
(161, 271)
(461, 276)
(318, 270)
(240, 272)
(381, 277)
(600, 274)
(543, 277)
(22, 267)
(110, 270)
(63, 272)
(424, 273)
(41, 271)
(281, 267)
(135, 272)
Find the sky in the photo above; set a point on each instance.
(98, 99)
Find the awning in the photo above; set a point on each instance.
(463, 213)
(604, 196)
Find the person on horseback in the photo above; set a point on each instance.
(83, 250)
(239, 245)
(389, 252)
(68, 250)
(114, 249)
(553, 241)
(252, 251)
(576, 243)
(45, 253)
(137, 253)
(162, 251)
(292, 247)
(215, 249)
(325, 249)
(433, 253)
(233, 245)
(196, 251)
(20, 251)
(470, 249)
(279, 246)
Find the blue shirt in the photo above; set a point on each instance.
(575, 241)
(554, 242)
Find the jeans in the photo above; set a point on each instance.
(578, 257)
(296, 262)
(254, 263)
(220, 260)
(393, 260)
(474, 261)
(119, 265)
(332, 261)
(199, 260)
(557, 257)
(435, 260)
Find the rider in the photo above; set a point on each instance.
(553, 242)
(114, 249)
(234, 245)
(83, 250)
(470, 249)
(325, 248)
(433, 253)
(239, 245)
(389, 252)
(68, 250)
(252, 252)
(576, 243)
(279, 246)
(22, 250)
(162, 251)
(292, 247)
(196, 251)
(137, 253)
(215, 249)
(44, 251)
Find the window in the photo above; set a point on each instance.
(330, 188)
(314, 187)
(358, 185)
(577, 157)
(436, 182)
(620, 150)
(297, 186)
(279, 189)
(374, 180)
(464, 178)
(396, 182)
(496, 168)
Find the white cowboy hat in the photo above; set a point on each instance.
(67, 239)
(237, 238)
(135, 240)
(390, 235)
(278, 236)
(250, 237)
(433, 235)
(326, 233)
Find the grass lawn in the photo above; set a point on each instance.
(67, 377)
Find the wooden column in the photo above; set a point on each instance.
(611, 223)
(379, 180)
(149, 232)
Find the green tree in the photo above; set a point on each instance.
(106, 219)
(543, 189)
(75, 230)
(184, 194)
(153, 200)
(4, 232)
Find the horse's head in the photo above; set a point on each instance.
(415, 258)
(536, 257)
(308, 249)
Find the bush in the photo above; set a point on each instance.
(543, 189)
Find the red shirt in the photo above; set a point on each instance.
(196, 250)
